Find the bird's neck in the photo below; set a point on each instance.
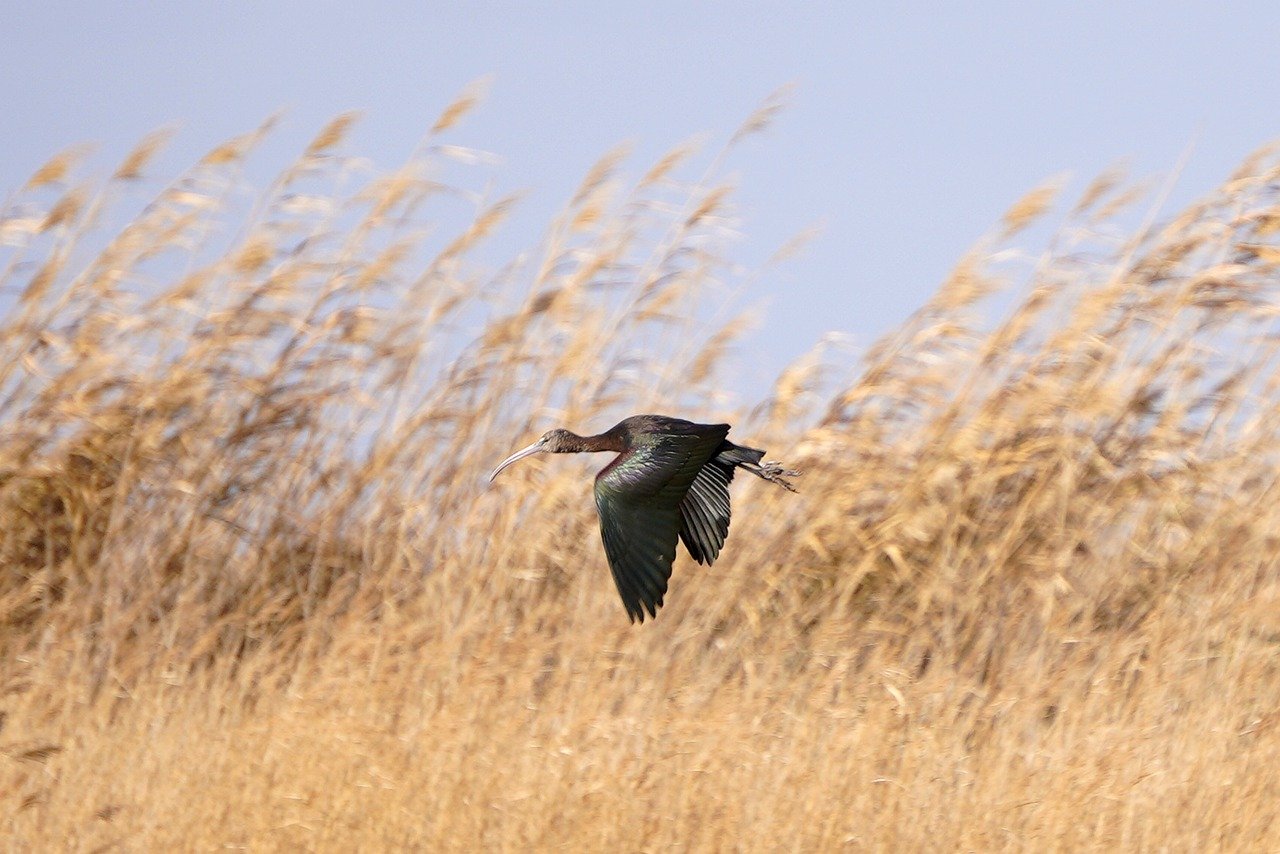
(607, 441)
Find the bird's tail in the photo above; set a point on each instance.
(752, 460)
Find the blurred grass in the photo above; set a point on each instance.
(255, 591)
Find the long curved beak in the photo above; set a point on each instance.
(536, 447)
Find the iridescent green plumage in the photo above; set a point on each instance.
(669, 481)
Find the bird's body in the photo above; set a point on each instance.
(669, 481)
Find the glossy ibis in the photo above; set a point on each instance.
(670, 478)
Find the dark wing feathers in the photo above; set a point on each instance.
(640, 499)
(704, 512)
(640, 543)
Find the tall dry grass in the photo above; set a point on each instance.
(255, 591)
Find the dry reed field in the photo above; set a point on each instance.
(255, 591)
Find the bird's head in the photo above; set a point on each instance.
(557, 441)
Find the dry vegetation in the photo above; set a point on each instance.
(255, 591)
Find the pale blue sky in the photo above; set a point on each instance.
(912, 128)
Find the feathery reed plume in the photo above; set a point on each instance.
(252, 591)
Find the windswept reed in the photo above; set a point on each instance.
(255, 591)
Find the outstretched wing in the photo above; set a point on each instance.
(638, 496)
(704, 512)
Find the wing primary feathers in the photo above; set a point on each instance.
(705, 510)
(717, 499)
(613, 544)
(688, 536)
(701, 530)
(713, 535)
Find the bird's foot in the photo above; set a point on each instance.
(773, 471)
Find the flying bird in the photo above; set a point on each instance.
(670, 479)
